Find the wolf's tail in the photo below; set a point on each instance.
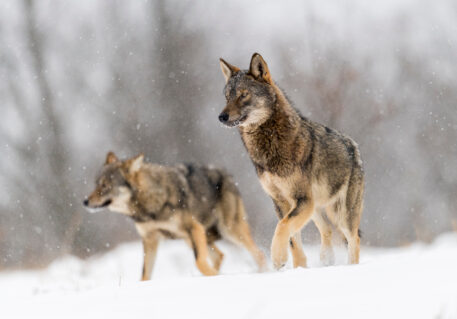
(357, 157)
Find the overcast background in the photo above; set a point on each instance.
(80, 78)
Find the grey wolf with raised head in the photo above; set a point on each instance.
(310, 171)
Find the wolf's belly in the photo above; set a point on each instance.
(287, 188)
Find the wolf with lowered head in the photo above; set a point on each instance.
(198, 204)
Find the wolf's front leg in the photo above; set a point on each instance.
(287, 227)
(215, 255)
(150, 244)
(282, 207)
(296, 248)
(199, 243)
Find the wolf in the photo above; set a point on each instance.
(310, 171)
(198, 204)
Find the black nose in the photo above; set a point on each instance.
(223, 117)
(86, 202)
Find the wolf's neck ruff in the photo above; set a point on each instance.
(266, 142)
(139, 214)
(159, 210)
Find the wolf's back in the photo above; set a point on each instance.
(207, 180)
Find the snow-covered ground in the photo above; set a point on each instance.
(419, 281)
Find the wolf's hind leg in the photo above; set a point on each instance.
(245, 239)
(352, 213)
(353, 245)
(350, 229)
(150, 245)
(200, 247)
(240, 235)
(327, 256)
(235, 228)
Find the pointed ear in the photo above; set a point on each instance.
(110, 158)
(134, 164)
(227, 69)
(259, 68)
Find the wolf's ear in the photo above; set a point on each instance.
(110, 158)
(259, 68)
(134, 164)
(227, 69)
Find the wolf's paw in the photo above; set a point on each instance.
(210, 272)
(263, 269)
(327, 257)
(206, 269)
(300, 261)
(278, 266)
(279, 255)
(262, 264)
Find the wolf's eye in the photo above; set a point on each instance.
(244, 94)
(104, 185)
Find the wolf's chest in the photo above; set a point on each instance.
(278, 187)
(171, 228)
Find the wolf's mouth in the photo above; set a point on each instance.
(237, 122)
(95, 209)
(106, 203)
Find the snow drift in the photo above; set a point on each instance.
(418, 281)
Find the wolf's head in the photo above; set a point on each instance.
(250, 93)
(112, 189)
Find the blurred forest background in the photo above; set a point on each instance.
(80, 78)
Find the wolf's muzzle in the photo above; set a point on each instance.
(106, 203)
